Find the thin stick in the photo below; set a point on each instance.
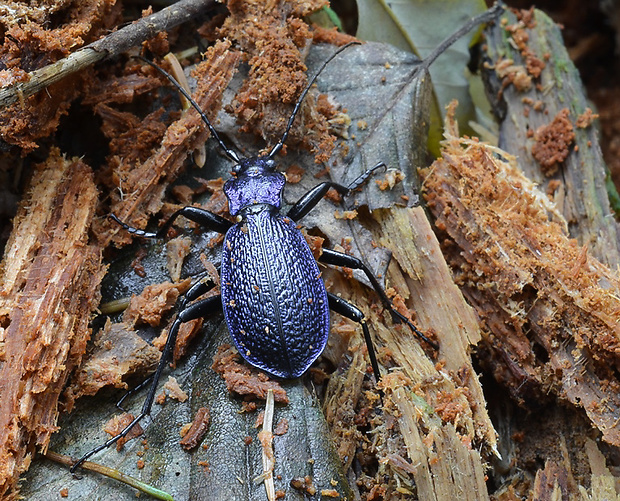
(113, 44)
(111, 473)
(266, 440)
(200, 155)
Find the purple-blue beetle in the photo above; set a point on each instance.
(274, 300)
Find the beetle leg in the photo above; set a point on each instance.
(199, 309)
(335, 258)
(352, 312)
(363, 177)
(307, 202)
(208, 220)
(203, 285)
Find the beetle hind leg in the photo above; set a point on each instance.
(193, 311)
(352, 312)
(336, 258)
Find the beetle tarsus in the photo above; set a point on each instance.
(131, 229)
(363, 177)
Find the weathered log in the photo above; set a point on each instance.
(49, 278)
(540, 103)
(551, 309)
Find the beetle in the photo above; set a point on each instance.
(272, 296)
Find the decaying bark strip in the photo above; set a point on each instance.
(49, 286)
(567, 164)
(603, 483)
(552, 310)
(438, 304)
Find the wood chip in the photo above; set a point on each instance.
(245, 380)
(196, 432)
(118, 423)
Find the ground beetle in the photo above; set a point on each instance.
(274, 301)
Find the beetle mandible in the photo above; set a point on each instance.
(274, 301)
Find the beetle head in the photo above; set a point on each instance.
(254, 166)
(256, 182)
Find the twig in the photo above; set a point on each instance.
(111, 473)
(111, 45)
(266, 440)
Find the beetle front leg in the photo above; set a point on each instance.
(199, 309)
(336, 258)
(309, 201)
(352, 312)
(208, 220)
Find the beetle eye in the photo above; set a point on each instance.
(271, 164)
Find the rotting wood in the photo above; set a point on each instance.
(438, 304)
(444, 464)
(552, 482)
(529, 48)
(119, 353)
(198, 427)
(142, 185)
(555, 480)
(396, 461)
(79, 273)
(276, 41)
(551, 309)
(50, 279)
(341, 408)
(603, 483)
(153, 191)
(434, 411)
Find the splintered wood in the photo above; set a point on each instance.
(434, 417)
(49, 282)
(551, 310)
(141, 185)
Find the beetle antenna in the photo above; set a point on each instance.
(229, 153)
(281, 142)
